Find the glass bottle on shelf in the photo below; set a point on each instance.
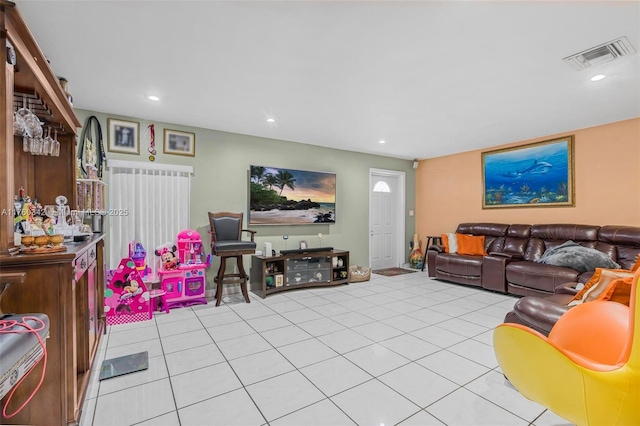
(76, 222)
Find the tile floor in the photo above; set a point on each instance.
(404, 350)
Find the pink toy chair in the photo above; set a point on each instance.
(156, 294)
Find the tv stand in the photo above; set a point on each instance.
(295, 269)
(307, 250)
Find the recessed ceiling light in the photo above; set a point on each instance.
(153, 98)
(597, 77)
(271, 120)
(382, 141)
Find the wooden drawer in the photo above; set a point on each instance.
(92, 253)
(81, 264)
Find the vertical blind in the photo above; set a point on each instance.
(148, 203)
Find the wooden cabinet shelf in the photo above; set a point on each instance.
(298, 270)
(42, 177)
(90, 196)
(67, 286)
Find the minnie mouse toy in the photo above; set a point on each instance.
(168, 256)
(130, 288)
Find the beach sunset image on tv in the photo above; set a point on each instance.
(291, 197)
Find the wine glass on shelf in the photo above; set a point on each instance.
(18, 124)
(55, 146)
(19, 130)
(33, 127)
(46, 143)
(38, 140)
(49, 143)
(22, 113)
(31, 122)
(20, 127)
(37, 145)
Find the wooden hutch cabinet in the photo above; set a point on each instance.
(67, 286)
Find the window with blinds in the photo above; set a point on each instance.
(148, 203)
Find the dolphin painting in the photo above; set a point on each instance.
(538, 167)
(512, 175)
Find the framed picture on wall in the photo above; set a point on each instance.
(280, 196)
(279, 280)
(179, 143)
(539, 174)
(124, 136)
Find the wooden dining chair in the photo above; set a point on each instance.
(226, 242)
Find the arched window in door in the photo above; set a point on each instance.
(381, 186)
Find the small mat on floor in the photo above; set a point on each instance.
(115, 367)
(392, 272)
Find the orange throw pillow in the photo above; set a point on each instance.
(618, 290)
(471, 245)
(598, 286)
(445, 242)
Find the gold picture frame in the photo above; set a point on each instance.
(179, 143)
(539, 174)
(279, 280)
(124, 136)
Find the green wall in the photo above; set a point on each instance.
(220, 182)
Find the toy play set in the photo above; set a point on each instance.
(138, 254)
(182, 275)
(126, 298)
(182, 280)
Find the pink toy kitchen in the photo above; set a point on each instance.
(183, 275)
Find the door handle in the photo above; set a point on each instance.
(372, 232)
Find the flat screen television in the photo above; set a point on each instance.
(279, 196)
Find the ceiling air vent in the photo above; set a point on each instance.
(606, 52)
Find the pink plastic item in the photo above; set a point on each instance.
(186, 285)
(126, 298)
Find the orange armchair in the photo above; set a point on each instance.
(588, 369)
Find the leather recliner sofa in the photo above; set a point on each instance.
(540, 313)
(510, 267)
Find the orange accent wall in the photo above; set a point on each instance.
(607, 184)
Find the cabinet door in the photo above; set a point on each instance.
(173, 286)
(92, 306)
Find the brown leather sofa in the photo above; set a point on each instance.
(510, 267)
(542, 313)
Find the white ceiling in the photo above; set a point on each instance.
(431, 78)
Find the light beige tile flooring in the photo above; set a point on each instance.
(404, 350)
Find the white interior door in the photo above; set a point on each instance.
(384, 221)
